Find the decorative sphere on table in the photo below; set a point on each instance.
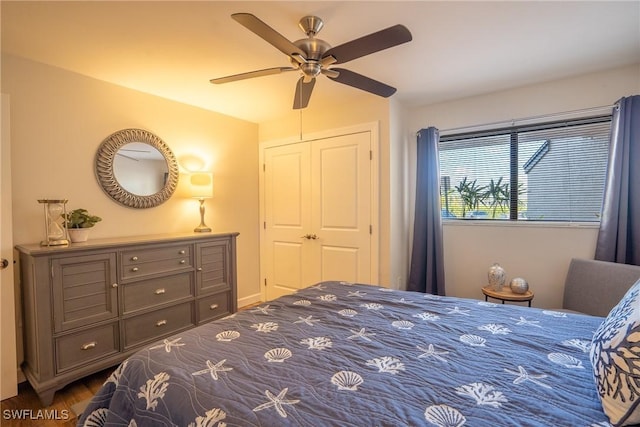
(497, 277)
(518, 285)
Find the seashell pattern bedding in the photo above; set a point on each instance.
(342, 354)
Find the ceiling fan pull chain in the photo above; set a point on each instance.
(299, 92)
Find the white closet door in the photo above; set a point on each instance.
(341, 207)
(287, 185)
(317, 211)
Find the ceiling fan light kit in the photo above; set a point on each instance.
(313, 56)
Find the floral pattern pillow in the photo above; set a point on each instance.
(615, 356)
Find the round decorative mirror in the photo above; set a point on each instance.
(136, 168)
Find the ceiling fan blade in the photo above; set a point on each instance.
(252, 74)
(303, 93)
(361, 82)
(252, 23)
(372, 43)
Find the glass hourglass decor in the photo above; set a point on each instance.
(54, 223)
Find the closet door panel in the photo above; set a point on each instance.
(287, 219)
(341, 207)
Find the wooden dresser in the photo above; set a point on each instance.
(87, 306)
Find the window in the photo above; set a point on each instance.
(546, 172)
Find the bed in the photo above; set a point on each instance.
(343, 354)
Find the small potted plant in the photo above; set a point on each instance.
(78, 223)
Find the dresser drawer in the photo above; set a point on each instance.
(86, 346)
(153, 292)
(213, 307)
(156, 324)
(149, 261)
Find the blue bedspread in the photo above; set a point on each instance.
(340, 354)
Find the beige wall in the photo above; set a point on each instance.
(400, 246)
(60, 118)
(539, 254)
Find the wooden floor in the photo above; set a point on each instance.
(25, 409)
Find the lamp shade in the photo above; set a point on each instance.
(201, 185)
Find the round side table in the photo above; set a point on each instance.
(506, 295)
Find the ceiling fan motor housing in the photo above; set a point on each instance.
(314, 50)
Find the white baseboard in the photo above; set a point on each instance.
(251, 299)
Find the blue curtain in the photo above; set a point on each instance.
(427, 258)
(619, 235)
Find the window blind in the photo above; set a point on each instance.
(552, 171)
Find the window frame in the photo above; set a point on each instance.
(513, 131)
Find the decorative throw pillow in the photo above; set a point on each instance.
(615, 356)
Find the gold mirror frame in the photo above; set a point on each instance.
(106, 177)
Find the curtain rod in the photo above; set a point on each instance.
(506, 123)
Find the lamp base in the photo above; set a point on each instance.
(202, 228)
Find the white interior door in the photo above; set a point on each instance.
(287, 215)
(317, 212)
(341, 207)
(8, 358)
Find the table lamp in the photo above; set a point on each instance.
(201, 184)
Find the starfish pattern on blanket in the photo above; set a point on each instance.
(167, 345)
(213, 369)
(458, 310)
(522, 375)
(356, 294)
(432, 352)
(307, 320)
(523, 321)
(264, 310)
(277, 402)
(361, 334)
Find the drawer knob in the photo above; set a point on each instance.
(183, 261)
(114, 285)
(199, 269)
(160, 291)
(182, 252)
(213, 306)
(134, 258)
(88, 346)
(134, 269)
(161, 322)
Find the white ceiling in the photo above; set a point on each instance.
(459, 49)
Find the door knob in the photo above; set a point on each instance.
(4, 264)
(310, 237)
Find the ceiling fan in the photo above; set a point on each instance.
(313, 56)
